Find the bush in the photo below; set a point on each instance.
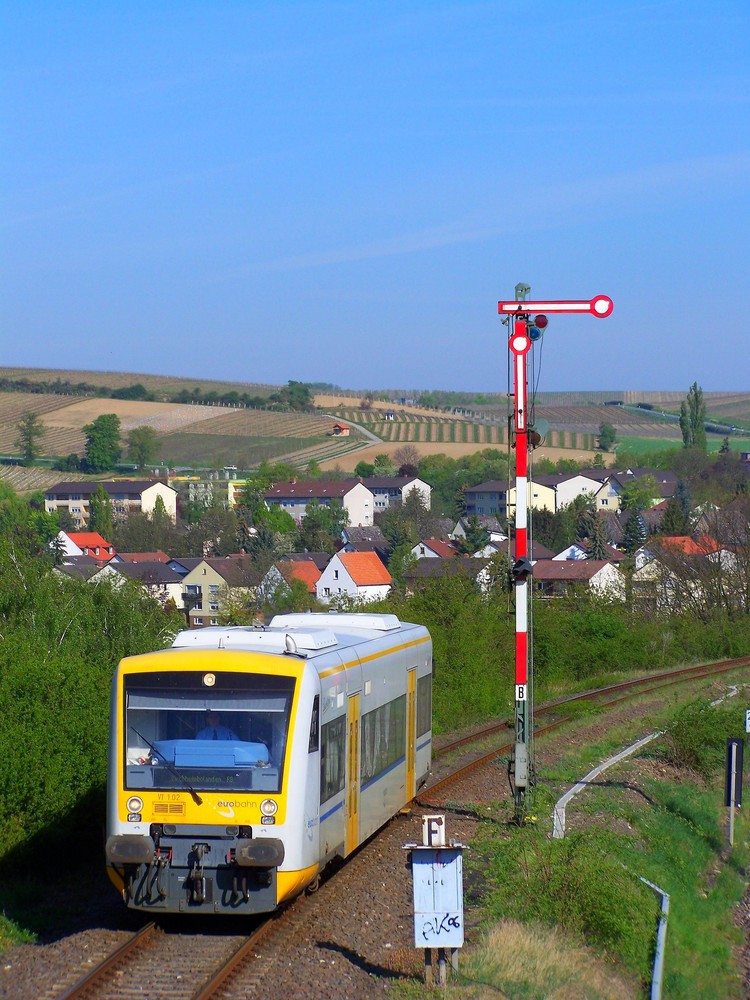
(473, 642)
(61, 642)
(697, 737)
(578, 884)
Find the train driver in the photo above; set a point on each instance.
(214, 730)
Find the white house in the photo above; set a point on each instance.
(66, 545)
(571, 486)
(486, 521)
(357, 574)
(395, 489)
(433, 548)
(581, 550)
(558, 577)
(125, 496)
(294, 497)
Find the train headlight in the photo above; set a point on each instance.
(134, 804)
(209, 680)
(268, 807)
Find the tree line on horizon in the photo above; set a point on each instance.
(295, 396)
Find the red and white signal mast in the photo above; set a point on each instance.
(528, 320)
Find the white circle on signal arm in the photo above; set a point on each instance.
(520, 343)
(602, 305)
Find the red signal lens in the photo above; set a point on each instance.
(541, 321)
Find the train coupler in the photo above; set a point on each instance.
(236, 893)
(196, 879)
(156, 870)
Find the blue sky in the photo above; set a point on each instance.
(341, 192)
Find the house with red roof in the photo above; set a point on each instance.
(87, 543)
(695, 573)
(434, 548)
(139, 557)
(701, 545)
(287, 570)
(359, 575)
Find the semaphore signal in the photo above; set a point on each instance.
(529, 323)
(600, 305)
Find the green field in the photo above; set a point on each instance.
(217, 450)
(653, 446)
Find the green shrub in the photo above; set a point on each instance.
(578, 884)
(698, 735)
(61, 640)
(472, 650)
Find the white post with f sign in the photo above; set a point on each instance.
(437, 874)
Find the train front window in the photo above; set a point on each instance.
(180, 734)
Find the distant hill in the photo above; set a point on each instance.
(211, 437)
(730, 407)
(159, 385)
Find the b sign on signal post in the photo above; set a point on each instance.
(529, 323)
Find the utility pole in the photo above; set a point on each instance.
(525, 332)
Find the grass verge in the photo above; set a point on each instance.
(571, 918)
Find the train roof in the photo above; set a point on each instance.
(304, 635)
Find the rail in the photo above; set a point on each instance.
(108, 964)
(632, 688)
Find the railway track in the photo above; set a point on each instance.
(192, 966)
(145, 965)
(602, 697)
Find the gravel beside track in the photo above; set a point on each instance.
(356, 934)
(350, 939)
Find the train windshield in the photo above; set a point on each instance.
(182, 734)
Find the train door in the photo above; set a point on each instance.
(411, 732)
(352, 774)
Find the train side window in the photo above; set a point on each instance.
(332, 758)
(424, 704)
(314, 741)
(383, 740)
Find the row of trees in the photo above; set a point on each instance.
(104, 445)
(293, 396)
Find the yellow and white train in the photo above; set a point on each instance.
(242, 760)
